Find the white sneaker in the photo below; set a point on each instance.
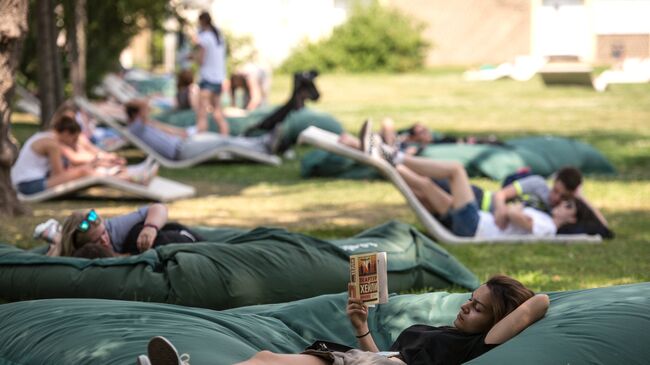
(162, 352)
(47, 230)
(143, 360)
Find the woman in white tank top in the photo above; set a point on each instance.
(39, 165)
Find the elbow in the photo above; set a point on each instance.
(542, 302)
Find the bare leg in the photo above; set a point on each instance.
(428, 193)
(349, 140)
(202, 112)
(70, 174)
(461, 191)
(388, 133)
(217, 113)
(270, 358)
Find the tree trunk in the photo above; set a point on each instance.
(13, 29)
(50, 79)
(77, 22)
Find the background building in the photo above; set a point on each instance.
(463, 32)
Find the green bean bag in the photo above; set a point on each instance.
(236, 268)
(295, 122)
(547, 154)
(595, 326)
(544, 155)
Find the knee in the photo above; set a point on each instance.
(458, 169)
(263, 357)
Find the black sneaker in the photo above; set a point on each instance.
(365, 136)
(162, 352)
(275, 140)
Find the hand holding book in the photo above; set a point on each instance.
(369, 278)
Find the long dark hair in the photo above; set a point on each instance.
(206, 19)
(586, 222)
(507, 295)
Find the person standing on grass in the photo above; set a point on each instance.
(211, 57)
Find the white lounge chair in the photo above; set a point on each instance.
(159, 189)
(633, 71)
(28, 102)
(329, 141)
(119, 89)
(220, 152)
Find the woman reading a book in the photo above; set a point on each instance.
(497, 311)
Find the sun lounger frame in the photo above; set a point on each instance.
(159, 189)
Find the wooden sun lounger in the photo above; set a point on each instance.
(329, 141)
(220, 152)
(159, 189)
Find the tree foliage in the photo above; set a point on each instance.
(111, 25)
(374, 38)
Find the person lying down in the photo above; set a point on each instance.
(496, 312)
(85, 233)
(458, 207)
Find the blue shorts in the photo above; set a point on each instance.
(215, 87)
(32, 187)
(464, 221)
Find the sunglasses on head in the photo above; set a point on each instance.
(91, 217)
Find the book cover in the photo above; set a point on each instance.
(368, 273)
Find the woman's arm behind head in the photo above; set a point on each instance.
(526, 314)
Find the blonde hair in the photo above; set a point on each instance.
(72, 238)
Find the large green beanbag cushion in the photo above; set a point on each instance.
(294, 123)
(547, 154)
(187, 118)
(495, 162)
(595, 326)
(544, 156)
(236, 268)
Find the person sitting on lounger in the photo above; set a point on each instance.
(496, 312)
(84, 153)
(40, 165)
(180, 144)
(127, 234)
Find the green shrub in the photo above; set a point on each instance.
(374, 38)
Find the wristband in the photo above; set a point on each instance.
(364, 335)
(152, 226)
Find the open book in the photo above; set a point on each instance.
(369, 275)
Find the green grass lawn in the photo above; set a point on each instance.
(246, 195)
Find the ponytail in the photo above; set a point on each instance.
(206, 19)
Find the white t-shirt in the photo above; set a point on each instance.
(543, 225)
(213, 68)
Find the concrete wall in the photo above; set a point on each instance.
(466, 32)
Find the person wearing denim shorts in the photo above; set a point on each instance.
(211, 56)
